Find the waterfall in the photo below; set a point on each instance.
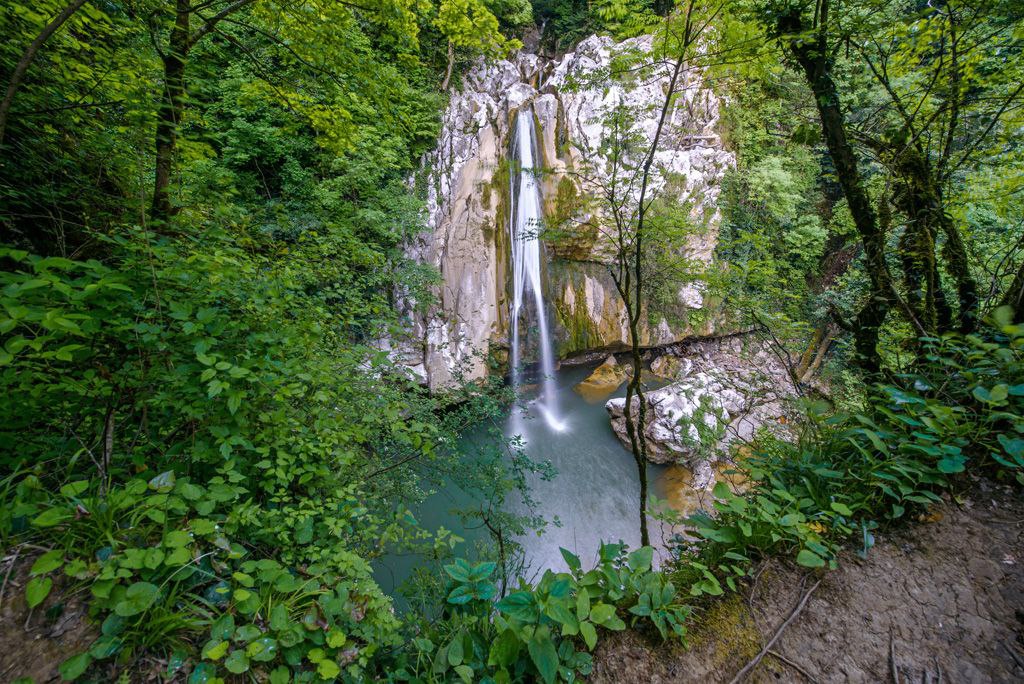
(524, 223)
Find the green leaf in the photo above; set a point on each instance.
(163, 483)
(262, 650)
(601, 613)
(75, 666)
(74, 489)
(336, 638)
(571, 559)
(953, 463)
(203, 673)
(482, 571)
(519, 605)
(841, 509)
(809, 559)
(465, 673)
(177, 539)
(280, 675)
(48, 562)
(455, 653)
(328, 669)
(105, 647)
(237, 662)
(589, 634)
(138, 598)
(215, 649)
(458, 571)
(641, 559)
(247, 633)
(279, 617)
(543, 654)
(51, 517)
(582, 603)
(37, 589)
(504, 649)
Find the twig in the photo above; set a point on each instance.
(7, 576)
(892, 658)
(771, 642)
(795, 666)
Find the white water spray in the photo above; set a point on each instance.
(524, 223)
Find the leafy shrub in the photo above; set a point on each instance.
(848, 475)
(544, 632)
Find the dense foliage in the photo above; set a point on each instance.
(203, 208)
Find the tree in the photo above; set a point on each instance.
(626, 194)
(29, 55)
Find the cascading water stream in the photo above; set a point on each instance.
(525, 222)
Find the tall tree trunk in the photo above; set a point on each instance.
(812, 56)
(925, 204)
(172, 104)
(26, 60)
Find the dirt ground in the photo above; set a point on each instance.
(941, 600)
(33, 644)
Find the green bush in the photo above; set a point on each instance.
(543, 632)
(848, 475)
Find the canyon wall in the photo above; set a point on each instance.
(466, 183)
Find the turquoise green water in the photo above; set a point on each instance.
(593, 498)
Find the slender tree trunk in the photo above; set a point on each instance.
(819, 356)
(172, 104)
(451, 66)
(1014, 297)
(26, 60)
(955, 254)
(812, 56)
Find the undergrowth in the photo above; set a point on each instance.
(231, 568)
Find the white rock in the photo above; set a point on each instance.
(672, 416)
(464, 211)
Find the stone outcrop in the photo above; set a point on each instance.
(683, 420)
(605, 379)
(466, 183)
(726, 391)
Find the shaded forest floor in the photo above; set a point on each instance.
(941, 600)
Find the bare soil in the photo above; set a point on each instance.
(941, 600)
(35, 643)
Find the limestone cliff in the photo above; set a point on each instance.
(467, 189)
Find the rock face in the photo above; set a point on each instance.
(466, 182)
(725, 390)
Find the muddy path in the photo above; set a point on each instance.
(941, 600)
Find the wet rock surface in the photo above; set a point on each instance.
(935, 601)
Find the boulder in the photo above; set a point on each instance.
(605, 379)
(671, 367)
(686, 420)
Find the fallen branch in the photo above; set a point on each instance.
(794, 665)
(892, 658)
(10, 568)
(775, 637)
